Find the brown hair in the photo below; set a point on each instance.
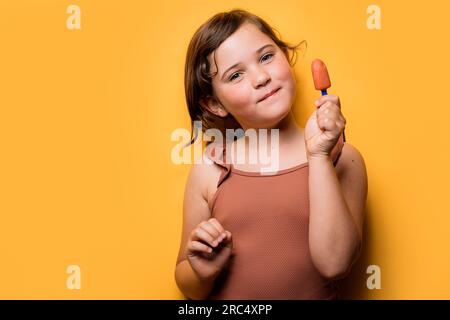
(198, 79)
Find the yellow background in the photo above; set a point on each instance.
(86, 115)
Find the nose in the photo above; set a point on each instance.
(261, 78)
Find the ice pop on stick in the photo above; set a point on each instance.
(320, 75)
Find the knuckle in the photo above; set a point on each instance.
(194, 244)
(197, 232)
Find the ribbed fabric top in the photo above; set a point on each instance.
(268, 216)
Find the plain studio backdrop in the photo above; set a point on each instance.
(89, 195)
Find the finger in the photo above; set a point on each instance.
(218, 226)
(196, 246)
(201, 234)
(329, 108)
(330, 97)
(327, 124)
(328, 111)
(228, 240)
(340, 120)
(210, 229)
(325, 109)
(222, 235)
(340, 125)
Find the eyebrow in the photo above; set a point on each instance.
(236, 64)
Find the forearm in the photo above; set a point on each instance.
(334, 238)
(190, 284)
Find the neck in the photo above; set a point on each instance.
(288, 131)
(290, 136)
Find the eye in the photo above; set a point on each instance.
(270, 55)
(233, 76)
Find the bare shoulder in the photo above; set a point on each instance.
(202, 180)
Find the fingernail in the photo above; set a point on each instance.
(316, 102)
(214, 243)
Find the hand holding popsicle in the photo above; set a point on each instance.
(324, 131)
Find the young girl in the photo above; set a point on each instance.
(289, 234)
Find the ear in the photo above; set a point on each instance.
(213, 106)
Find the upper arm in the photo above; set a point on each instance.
(195, 203)
(352, 174)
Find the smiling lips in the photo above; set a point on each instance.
(269, 94)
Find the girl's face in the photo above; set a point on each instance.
(250, 66)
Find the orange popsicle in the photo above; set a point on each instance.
(320, 75)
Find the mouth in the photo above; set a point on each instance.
(270, 94)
